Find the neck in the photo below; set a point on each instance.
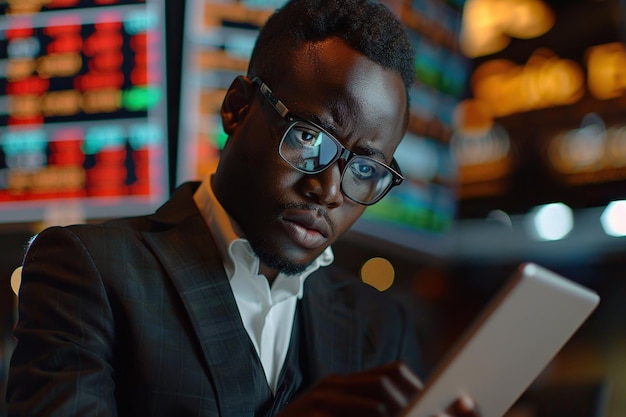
(269, 273)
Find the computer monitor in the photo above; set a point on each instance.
(82, 109)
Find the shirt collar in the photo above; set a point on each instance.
(235, 249)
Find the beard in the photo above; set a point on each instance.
(277, 262)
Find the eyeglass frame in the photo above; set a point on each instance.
(343, 152)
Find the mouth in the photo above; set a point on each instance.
(306, 228)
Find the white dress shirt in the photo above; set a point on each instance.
(267, 312)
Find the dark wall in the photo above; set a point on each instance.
(174, 16)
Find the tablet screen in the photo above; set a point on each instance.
(510, 343)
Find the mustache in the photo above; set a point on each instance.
(312, 207)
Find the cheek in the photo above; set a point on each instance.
(273, 179)
(257, 152)
(345, 216)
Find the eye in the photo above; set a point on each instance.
(306, 135)
(363, 169)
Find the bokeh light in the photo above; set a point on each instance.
(379, 273)
(551, 221)
(613, 218)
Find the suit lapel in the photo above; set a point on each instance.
(191, 259)
(331, 329)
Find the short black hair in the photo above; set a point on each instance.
(365, 25)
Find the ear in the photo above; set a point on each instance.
(236, 103)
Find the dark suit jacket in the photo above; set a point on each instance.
(135, 317)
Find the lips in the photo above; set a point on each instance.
(306, 228)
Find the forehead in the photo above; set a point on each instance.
(361, 102)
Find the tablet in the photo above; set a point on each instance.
(509, 344)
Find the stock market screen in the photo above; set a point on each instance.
(82, 108)
(218, 40)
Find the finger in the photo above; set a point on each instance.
(466, 404)
(392, 386)
(400, 379)
(398, 373)
(407, 380)
(395, 399)
(463, 406)
(369, 386)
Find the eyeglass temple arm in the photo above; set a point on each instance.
(274, 101)
(396, 167)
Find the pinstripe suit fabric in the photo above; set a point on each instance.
(135, 317)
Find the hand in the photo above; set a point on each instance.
(379, 392)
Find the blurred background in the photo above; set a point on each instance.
(515, 152)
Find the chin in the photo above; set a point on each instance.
(279, 261)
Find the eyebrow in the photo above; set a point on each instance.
(330, 128)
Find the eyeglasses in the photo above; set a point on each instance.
(310, 149)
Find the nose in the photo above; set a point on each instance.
(324, 187)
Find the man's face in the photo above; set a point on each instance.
(290, 217)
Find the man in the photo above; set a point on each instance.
(220, 304)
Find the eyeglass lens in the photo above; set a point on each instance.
(309, 149)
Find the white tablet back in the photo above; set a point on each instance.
(510, 343)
